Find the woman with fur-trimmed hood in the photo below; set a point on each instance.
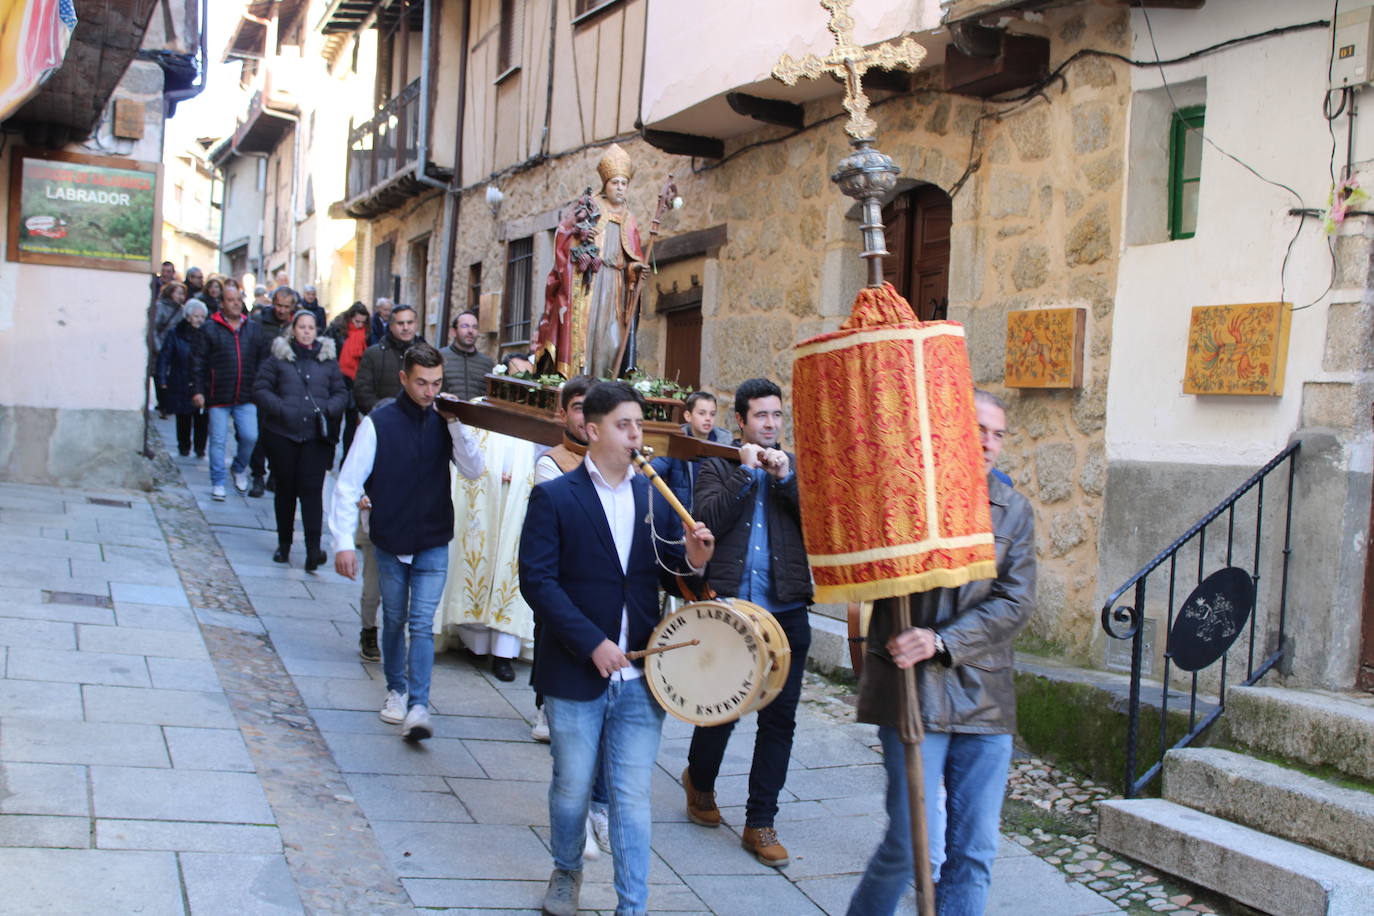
(300, 395)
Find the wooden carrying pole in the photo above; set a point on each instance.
(912, 733)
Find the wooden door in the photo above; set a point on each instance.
(918, 226)
(682, 356)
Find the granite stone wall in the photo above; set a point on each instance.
(1037, 193)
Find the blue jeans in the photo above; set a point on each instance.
(245, 431)
(974, 769)
(623, 726)
(410, 595)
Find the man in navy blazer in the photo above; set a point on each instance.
(590, 569)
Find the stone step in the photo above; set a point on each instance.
(1314, 727)
(829, 652)
(1270, 874)
(1273, 799)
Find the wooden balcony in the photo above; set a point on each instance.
(383, 157)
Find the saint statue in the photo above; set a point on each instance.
(588, 321)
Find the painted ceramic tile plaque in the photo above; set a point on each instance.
(1045, 348)
(1237, 349)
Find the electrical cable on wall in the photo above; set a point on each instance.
(1302, 218)
(1027, 96)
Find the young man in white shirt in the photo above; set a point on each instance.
(400, 458)
(588, 569)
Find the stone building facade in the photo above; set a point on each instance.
(1045, 191)
(1034, 225)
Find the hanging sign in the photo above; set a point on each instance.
(77, 210)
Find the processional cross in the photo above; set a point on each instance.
(849, 62)
(866, 174)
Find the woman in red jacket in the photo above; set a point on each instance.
(352, 334)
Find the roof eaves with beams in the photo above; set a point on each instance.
(345, 16)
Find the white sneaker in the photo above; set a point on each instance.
(539, 731)
(600, 822)
(217, 494)
(589, 849)
(241, 481)
(395, 709)
(416, 727)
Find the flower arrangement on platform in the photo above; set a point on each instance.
(526, 391)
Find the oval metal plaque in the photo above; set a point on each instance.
(1211, 619)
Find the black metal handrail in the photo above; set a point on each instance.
(386, 143)
(1132, 617)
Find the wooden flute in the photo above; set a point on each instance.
(659, 484)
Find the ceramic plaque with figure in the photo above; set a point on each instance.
(588, 298)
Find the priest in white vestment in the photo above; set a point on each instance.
(482, 602)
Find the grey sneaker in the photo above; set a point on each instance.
(217, 493)
(561, 897)
(416, 727)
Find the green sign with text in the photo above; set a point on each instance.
(83, 210)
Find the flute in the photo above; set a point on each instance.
(648, 470)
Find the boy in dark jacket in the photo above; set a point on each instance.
(226, 371)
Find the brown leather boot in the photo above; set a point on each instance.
(763, 843)
(701, 806)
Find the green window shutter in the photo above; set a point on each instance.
(1185, 170)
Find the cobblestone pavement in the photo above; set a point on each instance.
(187, 727)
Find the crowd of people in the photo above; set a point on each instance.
(561, 554)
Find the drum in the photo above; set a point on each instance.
(739, 665)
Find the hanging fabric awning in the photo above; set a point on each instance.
(33, 42)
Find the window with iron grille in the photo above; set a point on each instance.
(508, 43)
(515, 320)
(474, 287)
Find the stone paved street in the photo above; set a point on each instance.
(187, 727)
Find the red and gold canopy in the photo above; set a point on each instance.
(893, 487)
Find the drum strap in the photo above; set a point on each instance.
(707, 593)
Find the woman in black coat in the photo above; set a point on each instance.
(178, 385)
(299, 391)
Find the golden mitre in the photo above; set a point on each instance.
(615, 164)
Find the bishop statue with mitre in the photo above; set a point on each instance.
(598, 255)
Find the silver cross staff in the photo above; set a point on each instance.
(866, 174)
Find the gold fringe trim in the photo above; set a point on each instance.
(853, 558)
(859, 338)
(906, 585)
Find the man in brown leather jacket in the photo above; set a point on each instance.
(962, 644)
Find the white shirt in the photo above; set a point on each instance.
(357, 467)
(618, 503)
(546, 469)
